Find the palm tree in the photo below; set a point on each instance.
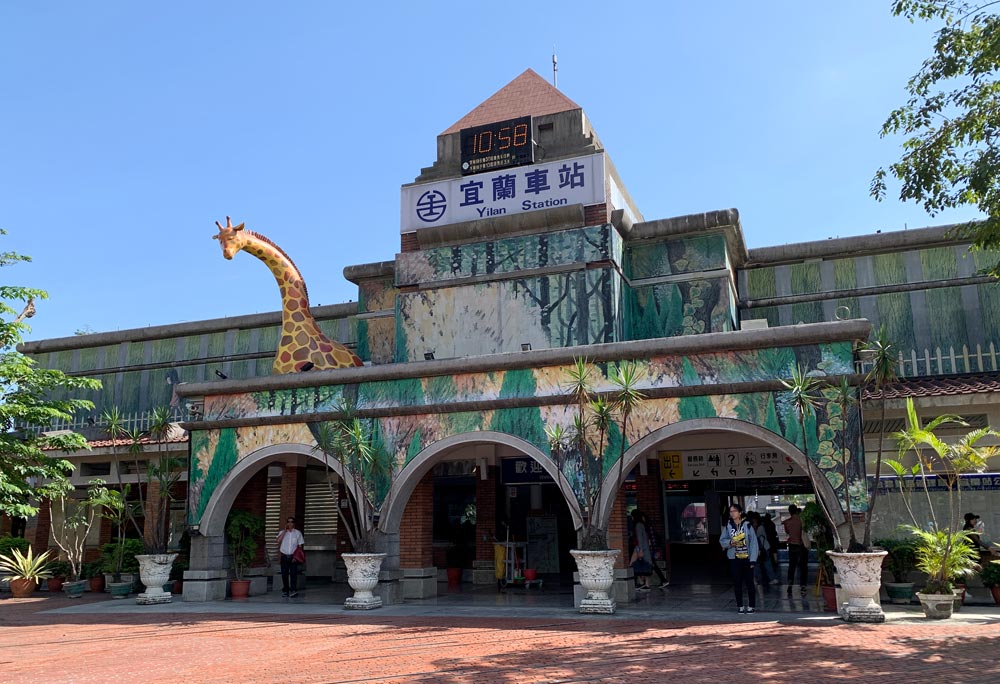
(943, 551)
(844, 395)
(882, 354)
(804, 394)
(595, 413)
(354, 443)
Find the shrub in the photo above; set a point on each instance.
(990, 574)
(902, 558)
(8, 544)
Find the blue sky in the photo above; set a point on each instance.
(129, 128)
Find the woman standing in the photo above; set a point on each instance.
(642, 557)
(740, 542)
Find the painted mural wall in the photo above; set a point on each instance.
(214, 452)
(919, 321)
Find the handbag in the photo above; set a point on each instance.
(642, 567)
(300, 555)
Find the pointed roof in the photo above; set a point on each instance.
(528, 94)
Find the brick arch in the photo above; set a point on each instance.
(409, 477)
(213, 518)
(717, 425)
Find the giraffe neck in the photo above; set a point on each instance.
(294, 295)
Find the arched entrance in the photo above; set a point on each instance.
(208, 574)
(687, 511)
(517, 498)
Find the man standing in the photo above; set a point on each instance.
(289, 539)
(798, 554)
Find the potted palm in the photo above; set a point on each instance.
(59, 571)
(357, 445)
(943, 550)
(243, 529)
(579, 452)
(158, 474)
(859, 570)
(25, 569)
(901, 562)
(990, 575)
(815, 524)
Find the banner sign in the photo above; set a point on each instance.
(524, 470)
(972, 482)
(717, 464)
(504, 192)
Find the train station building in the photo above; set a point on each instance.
(521, 251)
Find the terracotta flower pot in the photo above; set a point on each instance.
(22, 588)
(454, 577)
(995, 590)
(96, 583)
(55, 583)
(239, 589)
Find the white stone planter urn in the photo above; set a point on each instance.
(362, 575)
(597, 575)
(154, 571)
(860, 578)
(937, 606)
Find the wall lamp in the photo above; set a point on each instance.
(526, 346)
(428, 356)
(221, 374)
(307, 366)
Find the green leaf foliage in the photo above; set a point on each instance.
(949, 122)
(31, 399)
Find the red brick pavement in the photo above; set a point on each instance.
(351, 647)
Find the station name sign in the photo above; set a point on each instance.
(579, 180)
(724, 464)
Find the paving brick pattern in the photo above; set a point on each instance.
(346, 648)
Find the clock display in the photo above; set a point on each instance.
(497, 146)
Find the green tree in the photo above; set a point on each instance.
(30, 465)
(950, 123)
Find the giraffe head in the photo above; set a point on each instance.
(230, 237)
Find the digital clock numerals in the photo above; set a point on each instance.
(497, 145)
(500, 140)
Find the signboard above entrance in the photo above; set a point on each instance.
(717, 464)
(503, 192)
(497, 146)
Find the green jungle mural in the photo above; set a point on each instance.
(215, 451)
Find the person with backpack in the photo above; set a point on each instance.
(654, 547)
(740, 542)
(764, 572)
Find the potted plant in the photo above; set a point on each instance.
(815, 524)
(901, 561)
(25, 569)
(579, 452)
(160, 473)
(59, 570)
(859, 570)
(990, 575)
(243, 529)
(72, 519)
(943, 550)
(456, 558)
(118, 562)
(93, 573)
(357, 445)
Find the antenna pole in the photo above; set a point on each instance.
(555, 68)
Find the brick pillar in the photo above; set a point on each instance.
(253, 499)
(486, 515)
(293, 495)
(416, 529)
(39, 528)
(618, 530)
(151, 511)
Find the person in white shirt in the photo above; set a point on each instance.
(289, 539)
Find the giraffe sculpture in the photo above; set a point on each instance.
(303, 345)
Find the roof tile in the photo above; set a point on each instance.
(527, 95)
